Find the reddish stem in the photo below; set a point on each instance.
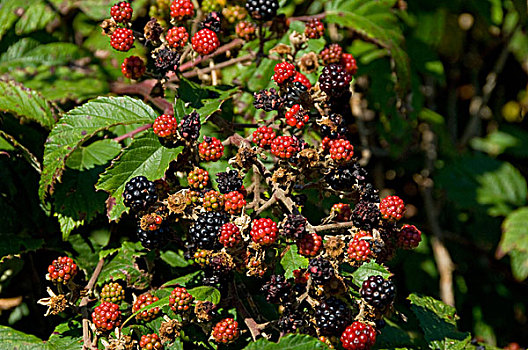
(133, 132)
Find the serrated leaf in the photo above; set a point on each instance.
(98, 153)
(145, 156)
(451, 344)
(80, 124)
(36, 17)
(174, 259)
(206, 293)
(292, 260)
(183, 280)
(515, 231)
(7, 15)
(123, 267)
(13, 339)
(519, 264)
(289, 342)
(15, 145)
(369, 269)
(26, 104)
(52, 54)
(16, 244)
(437, 319)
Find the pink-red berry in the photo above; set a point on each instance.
(296, 116)
(409, 237)
(211, 149)
(342, 212)
(150, 342)
(392, 208)
(358, 336)
(359, 247)
(165, 125)
(310, 244)
(122, 39)
(177, 37)
(62, 270)
(198, 178)
(331, 54)
(142, 302)
(314, 28)
(264, 231)
(284, 72)
(180, 300)
(341, 151)
(229, 235)
(205, 41)
(284, 147)
(121, 12)
(226, 331)
(246, 30)
(234, 202)
(263, 136)
(133, 67)
(106, 316)
(349, 62)
(181, 9)
(301, 78)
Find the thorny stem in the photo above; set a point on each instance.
(87, 341)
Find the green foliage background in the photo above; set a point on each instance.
(442, 99)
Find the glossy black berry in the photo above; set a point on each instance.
(334, 80)
(204, 232)
(166, 60)
(213, 22)
(297, 93)
(277, 289)
(229, 181)
(267, 100)
(366, 215)
(139, 193)
(190, 127)
(294, 227)
(321, 270)
(151, 239)
(263, 10)
(378, 292)
(332, 316)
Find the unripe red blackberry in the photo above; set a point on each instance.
(264, 231)
(358, 336)
(198, 178)
(321, 270)
(139, 193)
(122, 39)
(113, 293)
(296, 117)
(314, 28)
(150, 342)
(334, 80)
(181, 9)
(378, 292)
(392, 208)
(310, 244)
(409, 237)
(211, 149)
(341, 151)
(277, 289)
(62, 270)
(301, 78)
(226, 331)
(246, 30)
(205, 41)
(332, 316)
(106, 316)
(263, 136)
(359, 247)
(234, 202)
(284, 73)
(342, 212)
(262, 10)
(177, 37)
(180, 301)
(284, 147)
(331, 54)
(229, 235)
(213, 201)
(133, 67)
(121, 12)
(143, 301)
(165, 125)
(349, 62)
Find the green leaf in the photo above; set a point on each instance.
(145, 156)
(183, 280)
(437, 319)
(123, 266)
(16, 244)
(80, 124)
(26, 104)
(11, 145)
(494, 143)
(292, 260)
(297, 26)
(12, 339)
(289, 342)
(206, 293)
(36, 17)
(7, 15)
(97, 153)
(27, 55)
(519, 264)
(174, 259)
(514, 242)
(369, 269)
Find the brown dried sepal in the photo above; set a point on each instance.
(178, 201)
(335, 247)
(308, 158)
(255, 256)
(55, 303)
(281, 50)
(169, 331)
(298, 40)
(204, 310)
(221, 262)
(153, 31)
(108, 26)
(309, 62)
(245, 158)
(125, 342)
(148, 222)
(283, 177)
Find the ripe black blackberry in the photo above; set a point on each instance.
(292, 318)
(152, 239)
(190, 127)
(139, 193)
(332, 316)
(267, 100)
(213, 21)
(166, 60)
(366, 215)
(344, 178)
(229, 181)
(334, 80)
(297, 93)
(262, 10)
(294, 227)
(277, 289)
(321, 270)
(204, 232)
(369, 194)
(378, 292)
